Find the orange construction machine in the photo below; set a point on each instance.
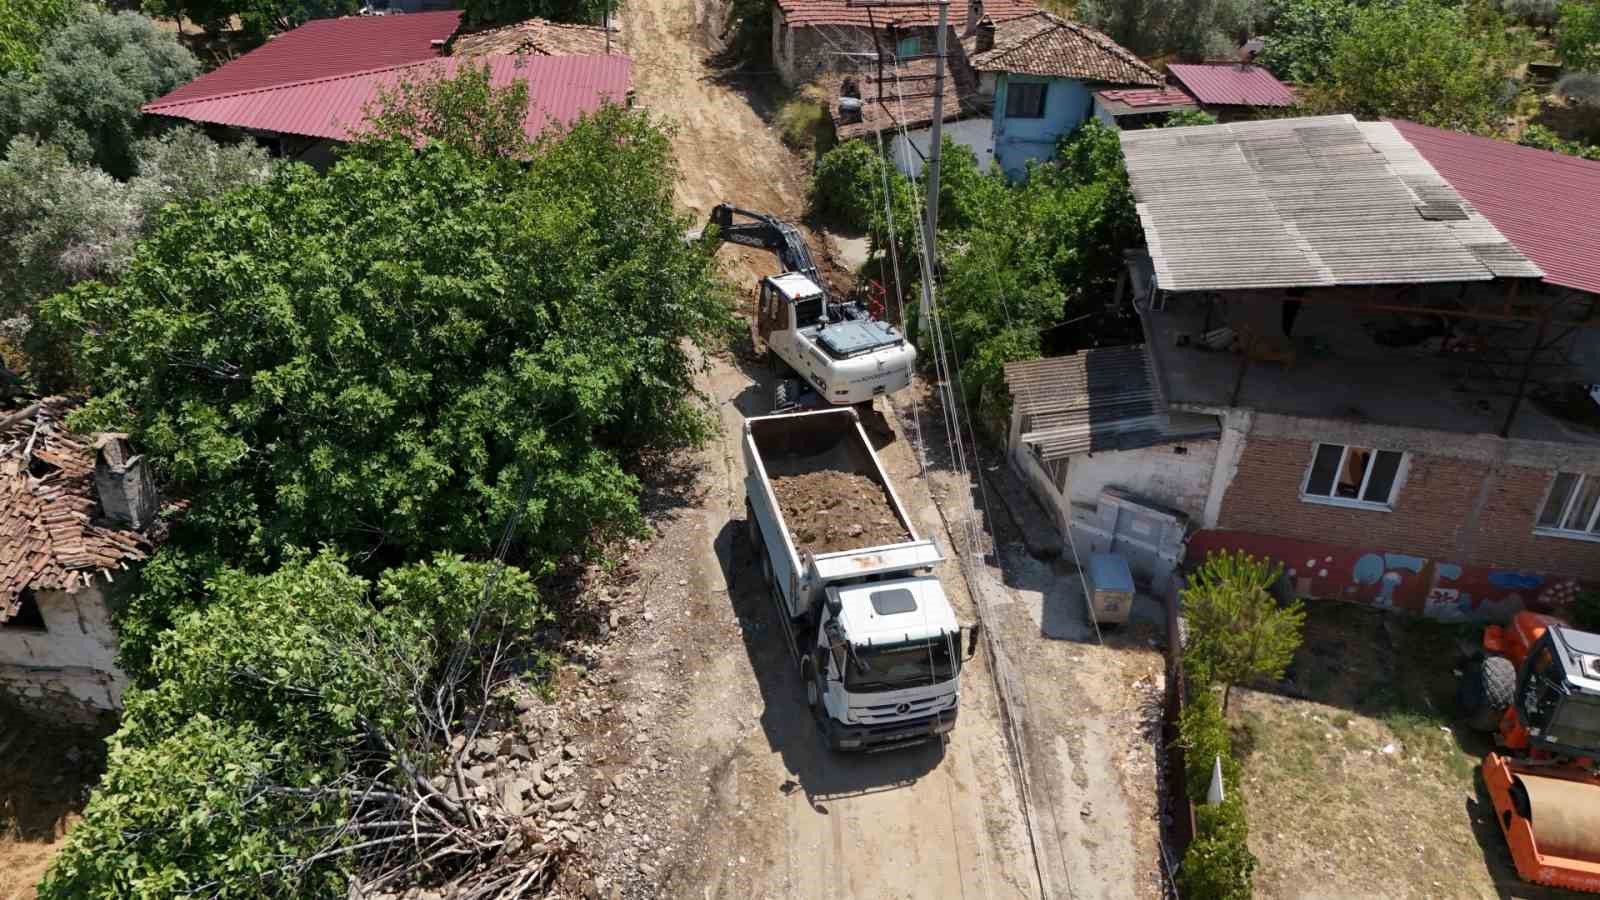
(1537, 685)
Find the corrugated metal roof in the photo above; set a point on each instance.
(560, 88)
(797, 13)
(1232, 84)
(323, 48)
(1141, 100)
(1546, 204)
(1094, 401)
(1308, 202)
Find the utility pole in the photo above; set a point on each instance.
(930, 217)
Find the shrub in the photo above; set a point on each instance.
(92, 78)
(1218, 865)
(1535, 13)
(1204, 734)
(25, 27)
(1236, 629)
(847, 185)
(804, 125)
(1578, 35)
(1580, 87)
(1545, 139)
(1184, 118)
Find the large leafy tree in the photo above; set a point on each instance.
(62, 222)
(259, 18)
(375, 357)
(1423, 60)
(1191, 29)
(1578, 35)
(91, 80)
(24, 27)
(1299, 45)
(277, 711)
(490, 12)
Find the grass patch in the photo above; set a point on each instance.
(804, 125)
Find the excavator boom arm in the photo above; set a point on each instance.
(766, 233)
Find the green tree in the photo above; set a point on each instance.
(259, 18)
(25, 25)
(92, 78)
(1190, 29)
(230, 773)
(1422, 60)
(1578, 35)
(465, 111)
(62, 223)
(373, 357)
(493, 12)
(1300, 42)
(1236, 629)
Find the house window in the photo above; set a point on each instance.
(908, 47)
(1353, 476)
(1025, 99)
(27, 617)
(1573, 507)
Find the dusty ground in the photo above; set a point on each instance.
(45, 776)
(1359, 780)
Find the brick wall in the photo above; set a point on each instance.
(1441, 512)
(1428, 513)
(1505, 537)
(803, 53)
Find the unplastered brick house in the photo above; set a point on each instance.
(1368, 354)
(77, 514)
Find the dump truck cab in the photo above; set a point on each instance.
(1558, 695)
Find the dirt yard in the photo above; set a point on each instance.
(45, 775)
(828, 510)
(1358, 778)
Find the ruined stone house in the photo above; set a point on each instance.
(77, 513)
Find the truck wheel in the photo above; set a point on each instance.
(780, 396)
(766, 569)
(752, 528)
(808, 677)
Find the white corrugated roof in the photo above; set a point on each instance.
(1095, 400)
(1307, 202)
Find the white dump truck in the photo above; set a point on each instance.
(868, 623)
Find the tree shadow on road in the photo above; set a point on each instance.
(824, 775)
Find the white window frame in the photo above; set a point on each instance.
(1394, 489)
(1593, 532)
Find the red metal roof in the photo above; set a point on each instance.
(560, 88)
(323, 48)
(1231, 84)
(1546, 204)
(839, 12)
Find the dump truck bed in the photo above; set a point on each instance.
(819, 492)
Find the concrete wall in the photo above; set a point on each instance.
(1016, 141)
(1173, 475)
(974, 134)
(68, 669)
(1457, 543)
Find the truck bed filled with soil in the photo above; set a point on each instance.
(830, 506)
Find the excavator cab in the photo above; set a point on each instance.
(1558, 693)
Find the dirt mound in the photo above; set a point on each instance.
(828, 510)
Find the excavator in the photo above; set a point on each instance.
(832, 350)
(1537, 686)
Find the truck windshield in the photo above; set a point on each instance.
(901, 665)
(1577, 722)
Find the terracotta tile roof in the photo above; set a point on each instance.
(1136, 99)
(560, 88)
(1049, 46)
(323, 48)
(1232, 84)
(534, 37)
(51, 537)
(907, 98)
(800, 13)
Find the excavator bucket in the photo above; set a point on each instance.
(1551, 819)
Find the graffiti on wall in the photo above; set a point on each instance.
(1435, 588)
